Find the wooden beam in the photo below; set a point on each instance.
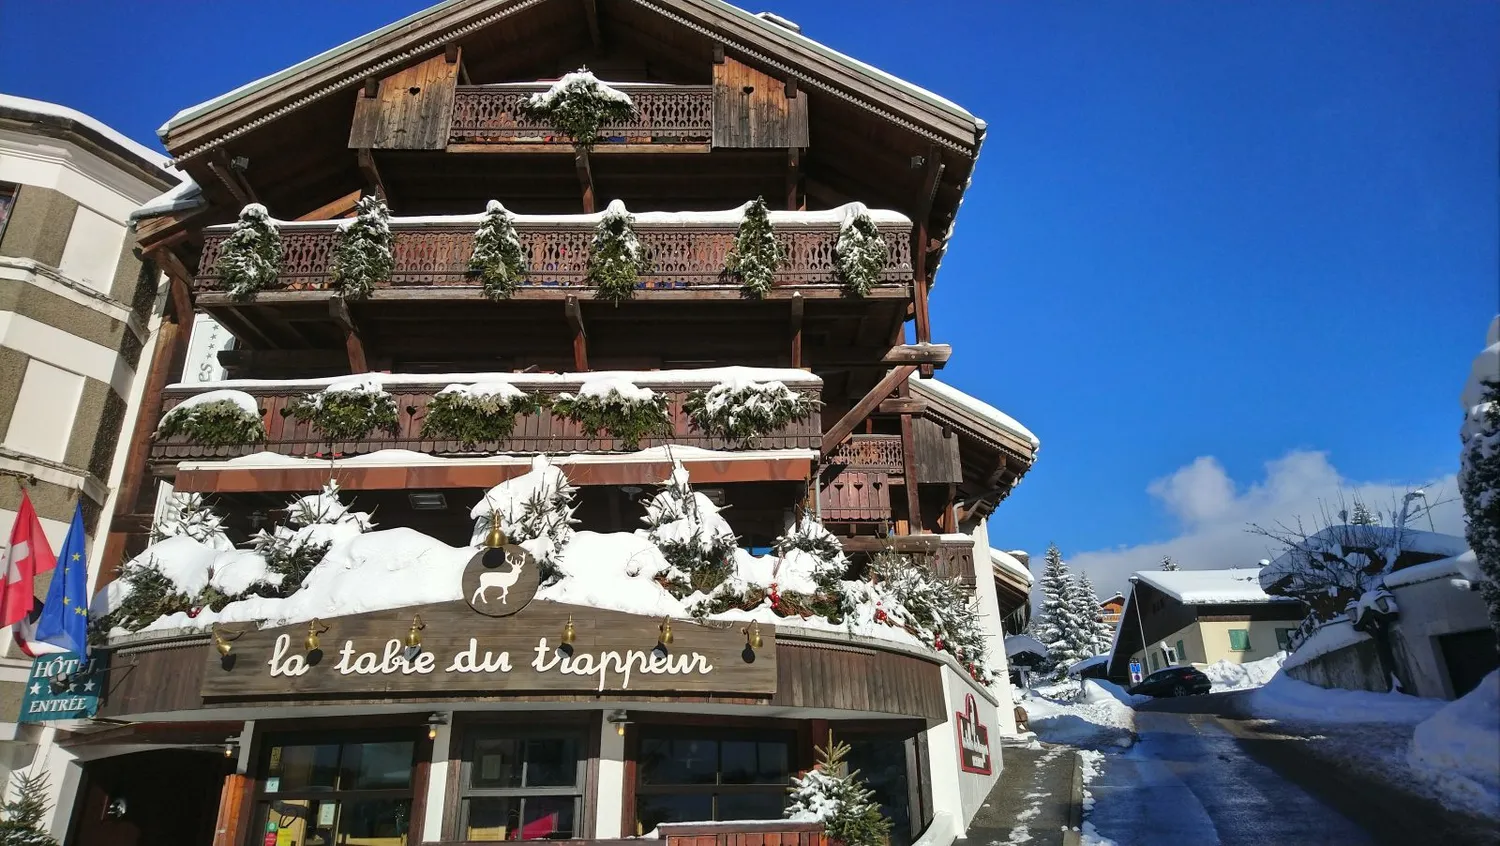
(372, 173)
(791, 87)
(902, 405)
(232, 179)
(861, 409)
(718, 54)
(793, 179)
(932, 354)
(909, 469)
(932, 175)
(591, 14)
(372, 87)
(281, 359)
(450, 52)
(585, 178)
(797, 309)
(336, 208)
(354, 346)
(899, 543)
(574, 314)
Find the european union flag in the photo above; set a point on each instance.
(65, 614)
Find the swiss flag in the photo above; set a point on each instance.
(27, 555)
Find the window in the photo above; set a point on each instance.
(7, 202)
(42, 421)
(1181, 653)
(1284, 639)
(1155, 662)
(1239, 640)
(520, 785)
(325, 792)
(689, 776)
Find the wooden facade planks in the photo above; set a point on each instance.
(857, 496)
(937, 453)
(154, 680)
(751, 109)
(412, 109)
(835, 676)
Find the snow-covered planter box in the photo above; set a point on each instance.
(744, 410)
(215, 418)
(617, 406)
(480, 413)
(347, 411)
(577, 105)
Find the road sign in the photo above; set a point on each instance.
(1135, 672)
(61, 687)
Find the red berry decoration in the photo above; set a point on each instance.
(195, 611)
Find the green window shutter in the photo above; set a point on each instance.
(1181, 653)
(1239, 640)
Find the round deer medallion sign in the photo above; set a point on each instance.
(501, 581)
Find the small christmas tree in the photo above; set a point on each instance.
(836, 796)
(616, 256)
(694, 539)
(860, 253)
(364, 256)
(21, 819)
(251, 256)
(1479, 484)
(578, 105)
(313, 523)
(756, 253)
(1362, 515)
(535, 506)
(808, 536)
(498, 257)
(1168, 564)
(188, 514)
(1059, 629)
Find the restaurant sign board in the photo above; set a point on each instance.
(464, 652)
(973, 739)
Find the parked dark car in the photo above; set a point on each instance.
(1173, 681)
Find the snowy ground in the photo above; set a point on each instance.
(1093, 714)
(1229, 676)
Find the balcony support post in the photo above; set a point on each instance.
(580, 337)
(338, 309)
(233, 179)
(793, 179)
(909, 469)
(862, 409)
(585, 178)
(797, 308)
(932, 175)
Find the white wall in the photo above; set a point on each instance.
(989, 612)
(42, 422)
(609, 809)
(1428, 610)
(92, 250)
(954, 791)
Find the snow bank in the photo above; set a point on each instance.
(502, 390)
(975, 406)
(1093, 715)
(615, 571)
(1286, 698)
(1197, 587)
(246, 402)
(1457, 749)
(1229, 676)
(1329, 637)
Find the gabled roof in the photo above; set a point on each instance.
(976, 412)
(206, 125)
(1210, 587)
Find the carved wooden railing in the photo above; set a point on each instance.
(664, 114)
(862, 468)
(869, 452)
(682, 255)
(954, 559)
(534, 433)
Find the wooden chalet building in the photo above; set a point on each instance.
(425, 114)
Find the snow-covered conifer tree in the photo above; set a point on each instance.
(860, 253)
(188, 514)
(692, 536)
(1168, 564)
(756, 253)
(498, 257)
(616, 256)
(23, 819)
(313, 523)
(250, 258)
(1093, 634)
(834, 795)
(364, 256)
(1059, 627)
(1362, 515)
(535, 510)
(1479, 475)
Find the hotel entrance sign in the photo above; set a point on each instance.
(61, 686)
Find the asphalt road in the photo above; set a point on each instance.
(1198, 776)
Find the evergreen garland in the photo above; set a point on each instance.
(1479, 486)
(461, 414)
(833, 794)
(215, 423)
(498, 257)
(744, 411)
(250, 258)
(756, 253)
(859, 254)
(626, 419)
(347, 414)
(616, 255)
(577, 106)
(294, 549)
(363, 256)
(22, 820)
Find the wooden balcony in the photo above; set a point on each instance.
(665, 115)
(954, 559)
(856, 485)
(683, 256)
(535, 433)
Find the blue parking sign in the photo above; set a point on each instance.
(1135, 672)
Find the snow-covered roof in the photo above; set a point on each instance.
(187, 195)
(1086, 663)
(768, 26)
(1412, 540)
(983, 410)
(707, 376)
(41, 108)
(1007, 562)
(1021, 644)
(1465, 566)
(1210, 587)
(409, 458)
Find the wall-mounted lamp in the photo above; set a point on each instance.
(231, 745)
(435, 719)
(496, 537)
(665, 631)
(314, 628)
(222, 640)
(618, 718)
(59, 683)
(752, 635)
(414, 638)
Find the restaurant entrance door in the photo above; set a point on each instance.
(149, 798)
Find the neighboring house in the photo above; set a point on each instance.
(1012, 589)
(1109, 609)
(1199, 617)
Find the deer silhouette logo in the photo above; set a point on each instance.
(496, 579)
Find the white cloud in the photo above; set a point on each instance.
(1214, 513)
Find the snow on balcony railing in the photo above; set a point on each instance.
(687, 249)
(664, 114)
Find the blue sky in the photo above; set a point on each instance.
(1225, 259)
